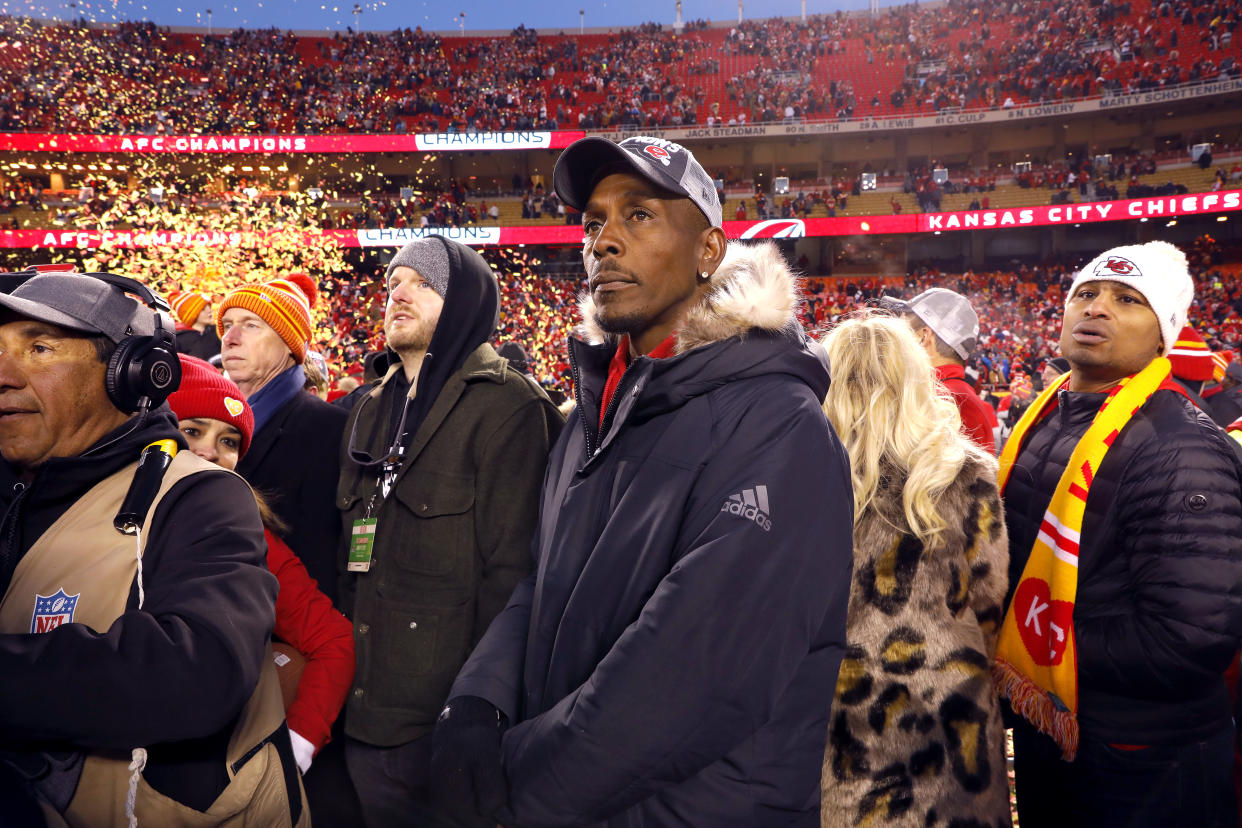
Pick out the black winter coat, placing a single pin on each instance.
(1159, 603)
(294, 462)
(673, 658)
(173, 676)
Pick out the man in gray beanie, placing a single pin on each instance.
(440, 475)
(429, 258)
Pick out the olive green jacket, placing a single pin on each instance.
(452, 538)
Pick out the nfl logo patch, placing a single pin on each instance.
(50, 611)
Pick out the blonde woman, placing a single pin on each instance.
(915, 735)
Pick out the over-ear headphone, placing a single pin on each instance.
(143, 370)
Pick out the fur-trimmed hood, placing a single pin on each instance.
(747, 327)
(752, 288)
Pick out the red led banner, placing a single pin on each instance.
(194, 144)
(563, 234)
(1090, 212)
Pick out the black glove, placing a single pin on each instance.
(467, 781)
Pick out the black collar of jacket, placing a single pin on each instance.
(61, 481)
(482, 365)
(672, 381)
(652, 387)
(268, 436)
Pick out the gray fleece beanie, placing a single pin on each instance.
(429, 257)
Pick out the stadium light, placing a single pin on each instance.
(581, 20)
(209, 22)
(357, 14)
(739, 11)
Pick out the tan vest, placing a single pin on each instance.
(81, 571)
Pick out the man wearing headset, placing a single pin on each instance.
(127, 658)
(440, 473)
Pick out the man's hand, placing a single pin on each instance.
(467, 781)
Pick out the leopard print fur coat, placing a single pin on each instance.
(915, 735)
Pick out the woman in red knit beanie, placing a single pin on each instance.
(218, 424)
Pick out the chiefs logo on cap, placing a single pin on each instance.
(234, 406)
(1117, 266)
(658, 153)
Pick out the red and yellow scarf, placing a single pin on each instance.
(1036, 661)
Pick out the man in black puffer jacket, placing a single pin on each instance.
(673, 658)
(1158, 610)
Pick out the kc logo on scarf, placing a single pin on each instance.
(1046, 623)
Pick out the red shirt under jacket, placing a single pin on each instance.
(307, 621)
(978, 418)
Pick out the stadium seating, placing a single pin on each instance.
(906, 60)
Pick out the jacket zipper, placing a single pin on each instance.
(617, 395)
(592, 438)
(586, 427)
(11, 553)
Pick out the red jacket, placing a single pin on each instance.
(306, 620)
(978, 418)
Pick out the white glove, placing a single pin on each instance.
(303, 751)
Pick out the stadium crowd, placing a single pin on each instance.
(967, 53)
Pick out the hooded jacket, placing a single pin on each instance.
(1159, 599)
(671, 661)
(171, 677)
(453, 535)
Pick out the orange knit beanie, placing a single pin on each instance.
(284, 304)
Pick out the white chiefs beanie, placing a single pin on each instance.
(1158, 270)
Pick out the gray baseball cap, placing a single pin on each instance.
(668, 165)
(79, 302)
(948, 314)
